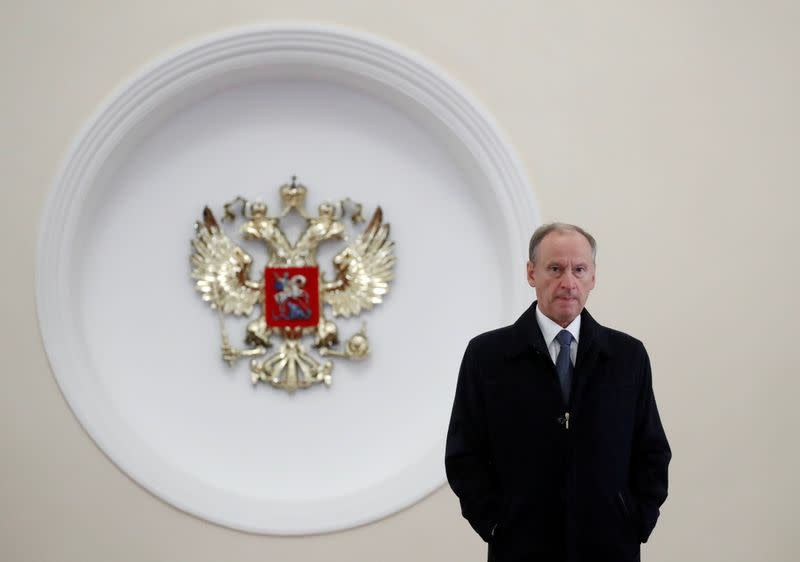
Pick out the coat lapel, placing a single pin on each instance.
(592, 351)
(526, 335)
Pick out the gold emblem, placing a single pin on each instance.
(292, 294)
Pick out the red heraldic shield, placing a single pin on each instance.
(292, 296)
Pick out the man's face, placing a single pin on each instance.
(563, 275)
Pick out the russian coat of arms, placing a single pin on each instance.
(293, 293)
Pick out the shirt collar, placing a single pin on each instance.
(550, 329)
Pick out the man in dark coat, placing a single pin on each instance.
(555, 447)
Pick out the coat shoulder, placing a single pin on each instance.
(624, 348)
(620, 341)
(492, 337)
(492, 343)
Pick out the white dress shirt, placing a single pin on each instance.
(550, 330)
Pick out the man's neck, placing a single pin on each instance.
(550, 327)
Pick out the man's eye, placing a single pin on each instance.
(554, 268)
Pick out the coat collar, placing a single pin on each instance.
(526, 335)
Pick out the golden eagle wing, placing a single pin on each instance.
(221, 270)
(363, 271)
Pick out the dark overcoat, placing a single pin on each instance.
(577, 482)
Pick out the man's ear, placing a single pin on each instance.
(531, 276)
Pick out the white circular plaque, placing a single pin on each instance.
(137, 353)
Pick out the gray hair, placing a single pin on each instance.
(546, 229)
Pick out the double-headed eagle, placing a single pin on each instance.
(292, 291)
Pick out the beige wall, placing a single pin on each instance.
(668, 129)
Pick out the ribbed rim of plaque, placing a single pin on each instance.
(378, 66)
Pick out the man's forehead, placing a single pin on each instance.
(565, 241)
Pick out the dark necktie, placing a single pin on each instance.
(563, 364)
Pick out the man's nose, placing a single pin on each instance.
(568, 280)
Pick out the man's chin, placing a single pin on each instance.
(566, 313)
